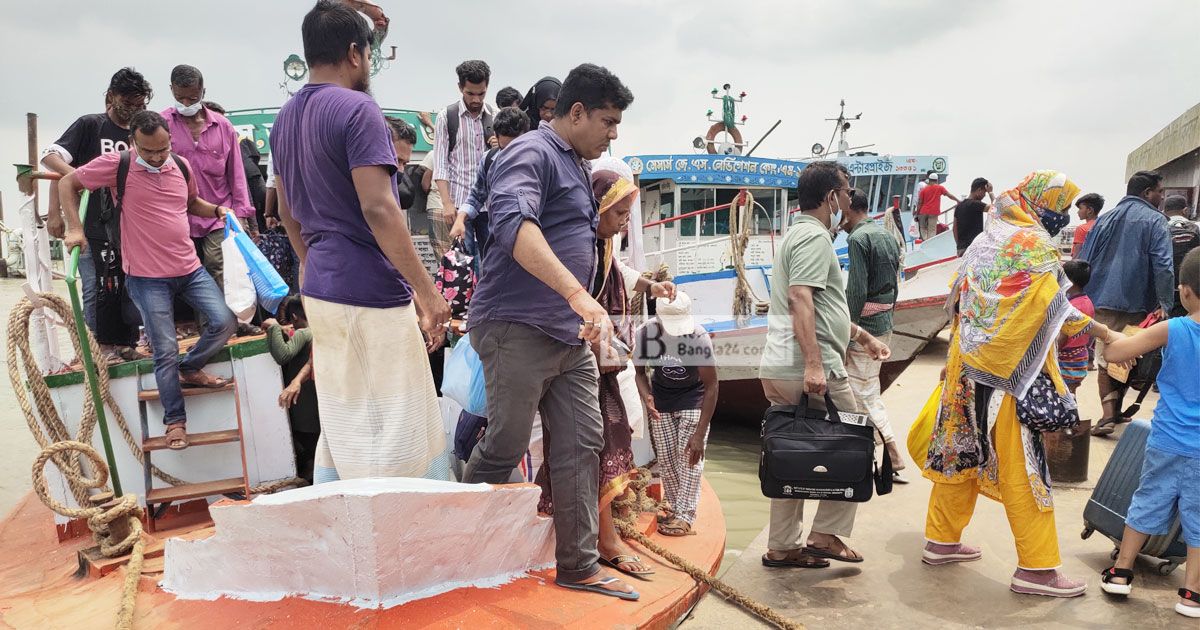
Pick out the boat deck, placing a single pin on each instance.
(40, 591)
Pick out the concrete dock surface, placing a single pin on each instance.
(892, 588)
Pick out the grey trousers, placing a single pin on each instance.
(787, 515)
(526, 371)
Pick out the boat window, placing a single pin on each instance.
(693, 199)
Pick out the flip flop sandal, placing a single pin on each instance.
(210, 381)
(616, 561)
(832, 555)
(803, 562)
(676, 528)
(1106, 426)
(598, 587)
(175, 435)
(1184, 609)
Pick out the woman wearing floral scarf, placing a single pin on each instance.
(1002, 386)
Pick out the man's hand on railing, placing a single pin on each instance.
(75, 238)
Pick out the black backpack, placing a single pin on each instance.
(1185, 236)
(452, 114)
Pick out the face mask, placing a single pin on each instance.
(835, 220)
(146, 165)
(1054, 222)
(188, 110)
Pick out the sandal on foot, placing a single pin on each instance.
(599, 587)
(801, 561)
(845, 555)
(176, 436)
(1106, 426)
(1186, 610)
(200, 378)
(676, 527)
(1116, 588)
(616, 561)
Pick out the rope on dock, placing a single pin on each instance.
(627, 525)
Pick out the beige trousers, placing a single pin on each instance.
(787, 515)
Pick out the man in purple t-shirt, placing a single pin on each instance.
(367, 295)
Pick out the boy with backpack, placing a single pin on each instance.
(1185, 236)
(1171, 469)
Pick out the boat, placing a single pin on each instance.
(687, 202)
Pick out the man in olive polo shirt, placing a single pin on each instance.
(808, 331)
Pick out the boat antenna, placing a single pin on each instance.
(841, 125)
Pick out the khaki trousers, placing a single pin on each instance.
(787, 515)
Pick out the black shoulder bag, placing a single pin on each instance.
(820, 454)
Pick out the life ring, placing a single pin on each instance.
(717, 128)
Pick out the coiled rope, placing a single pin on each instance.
(69, 453)
(626, 522)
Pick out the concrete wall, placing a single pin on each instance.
(1175, 140)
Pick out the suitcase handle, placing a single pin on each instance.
(830, 408)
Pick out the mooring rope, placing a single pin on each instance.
(626, 522)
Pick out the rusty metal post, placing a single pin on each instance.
(31, 137)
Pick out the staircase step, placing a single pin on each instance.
(159, 443)
(152, 394)
(195, 490)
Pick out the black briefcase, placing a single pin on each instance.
(820, 454)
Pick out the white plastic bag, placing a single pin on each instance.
(239, 288)
(634, 407)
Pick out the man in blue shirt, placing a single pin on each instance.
(1133, 273)
(532, 311)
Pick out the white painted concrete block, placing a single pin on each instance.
(369, 542)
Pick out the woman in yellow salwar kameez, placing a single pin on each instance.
(1008, 305)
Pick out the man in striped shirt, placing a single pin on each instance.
(871, 288)
(462, 135)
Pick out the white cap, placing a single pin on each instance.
(676, 315)
(933, 176)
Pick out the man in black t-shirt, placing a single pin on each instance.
(968, 214)
(89, 137)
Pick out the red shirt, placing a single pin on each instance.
(930, 200)
(1081, 233)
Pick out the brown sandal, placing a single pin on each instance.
(200, 378)
(176, 436)
(675, 527)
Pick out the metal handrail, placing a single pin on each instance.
(91, 375)
(689, 215)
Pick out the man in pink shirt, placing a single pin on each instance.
(210, 143)
(158, 256)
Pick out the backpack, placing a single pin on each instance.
(452, 114)
(111, 211)
(1185, 236)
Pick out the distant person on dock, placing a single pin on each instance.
(533, 316)
(680, 398)
(89, 137)
(1130, 253)
(210, 143)
(1089, 207)
(1074, 353)
(1185, 236)
(372, 306)
(871, 288)
(808, 332)
(929, 206)
(508, 97)
(159, 257)
(1168, 488)
(1002, 385)
(462, 133)
(969, 214)
(510, 124)
(540, 100)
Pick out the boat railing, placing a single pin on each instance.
(662, 223)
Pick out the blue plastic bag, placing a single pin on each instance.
(268, 284)
(462, 378)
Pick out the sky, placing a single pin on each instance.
(1001, 87)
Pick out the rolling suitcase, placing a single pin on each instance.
(1106, 509)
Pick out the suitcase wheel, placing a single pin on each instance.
(1086, 533)
(1165, 568)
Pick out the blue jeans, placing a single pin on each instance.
(154, 298)
(87, 279)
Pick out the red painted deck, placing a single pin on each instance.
(38, 590)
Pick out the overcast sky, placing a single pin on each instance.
(1001, 87)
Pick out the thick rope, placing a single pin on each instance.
(626, 522)
(745, 303)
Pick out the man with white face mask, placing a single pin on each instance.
(210, 144)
